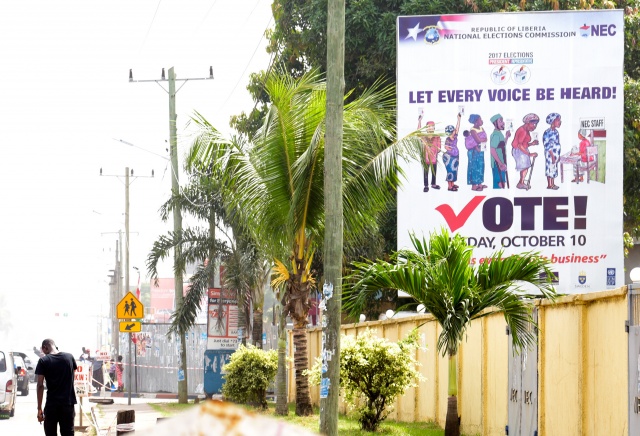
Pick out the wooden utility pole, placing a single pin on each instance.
(177, 230)
(177, 218)
(332, 289)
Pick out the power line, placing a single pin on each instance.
(149, 29)
(248, 63)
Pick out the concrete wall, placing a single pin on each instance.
(582, 368)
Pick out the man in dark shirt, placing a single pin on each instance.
(57, 369)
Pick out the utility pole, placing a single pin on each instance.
(177, 217)
(126, 258)
(115, 292)
(332, 289)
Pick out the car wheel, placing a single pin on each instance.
(13, 410)
(26, 391)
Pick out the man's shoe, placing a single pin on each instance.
(426, 189)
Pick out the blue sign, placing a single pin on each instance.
(324, 387)
(214, 360)
(180, 375)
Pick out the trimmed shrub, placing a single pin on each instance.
(373, 373)
(248, 374)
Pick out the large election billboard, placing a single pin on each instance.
(523, 114)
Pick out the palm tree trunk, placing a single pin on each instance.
(282, 408)
(257, 328)
(301, 362)
(452, 422)
(242, 321)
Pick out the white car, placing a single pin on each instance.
(8, 385)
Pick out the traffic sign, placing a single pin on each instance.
(130, 326)
(130, 307)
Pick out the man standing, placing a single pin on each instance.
(498, 153)
(57, 369)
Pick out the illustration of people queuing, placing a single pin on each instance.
(524, 138)
(451, 156)
(497, 143)
(432, 146)
(475, 142)
(551, 141)
(520, 151)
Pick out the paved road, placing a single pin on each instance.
(24, 421)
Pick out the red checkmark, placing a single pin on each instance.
(456, 221)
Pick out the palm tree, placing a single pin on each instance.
(247, 272)
(201, 199)
(275, 182)
(439, 274)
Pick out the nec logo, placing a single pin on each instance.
(598, 30)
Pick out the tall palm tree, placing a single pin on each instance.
(275, 182)
(439, 274)
(201, 199)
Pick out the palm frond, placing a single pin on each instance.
(185, 314)
(438, 273)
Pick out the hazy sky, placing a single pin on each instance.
(64, 67)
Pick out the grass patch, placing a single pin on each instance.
(347, 426)
(170, 409)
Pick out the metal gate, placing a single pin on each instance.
(523, 388)
(156, 359)
(633, 297)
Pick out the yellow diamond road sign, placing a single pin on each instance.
(130, 326)
(129, 307)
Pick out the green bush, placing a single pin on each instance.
(373, 373)
(248, 374)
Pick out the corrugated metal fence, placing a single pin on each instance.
(156, 357)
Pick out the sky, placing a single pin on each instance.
(66, 104)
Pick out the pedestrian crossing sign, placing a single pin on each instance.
(130, 308)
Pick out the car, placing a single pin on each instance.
(21, 374)
(8, 384)
(30, 362)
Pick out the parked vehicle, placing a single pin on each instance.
(8, 384)
(21, 374)
(30, 362)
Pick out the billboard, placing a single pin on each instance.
(524, 146)
(222, 320)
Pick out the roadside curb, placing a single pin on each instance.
(147, 395)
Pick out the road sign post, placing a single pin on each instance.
(130, 309)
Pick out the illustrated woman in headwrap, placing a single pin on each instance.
(451, 156)
(498, 143)
(521, 143)
(551, 141)
(432, 145)
(474, 142)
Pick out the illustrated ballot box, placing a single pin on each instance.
(499, 76)
(520, 76)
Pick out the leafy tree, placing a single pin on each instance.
(373, 373)
(439, 274)
(632, 121)
(275, 183)
(248, 374)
